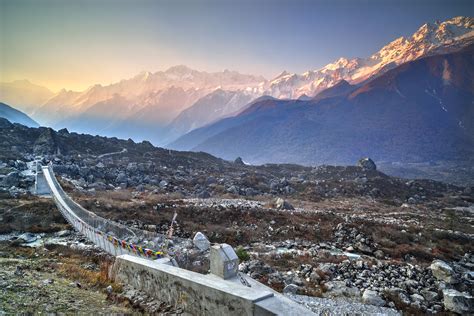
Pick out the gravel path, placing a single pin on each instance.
(337, 307)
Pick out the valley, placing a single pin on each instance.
(314, 233)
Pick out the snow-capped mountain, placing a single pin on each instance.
(156, 90)
(430, 39)
(416, 112)
(24, 95)
(181, 99)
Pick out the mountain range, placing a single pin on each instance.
(429, 39)
(24, 95)
(419, 111)
(186, 108)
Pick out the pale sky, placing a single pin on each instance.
(74, 44)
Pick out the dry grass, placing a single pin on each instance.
(93, 279)
(72, 265)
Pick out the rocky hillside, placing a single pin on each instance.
(100, 162)
(15, 116)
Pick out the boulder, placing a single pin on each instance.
(21, 165)
(11, 180)
(367, 164)
(429, 296)
(372, 298)
(233, 190)
(239, 161)
(417, 297)
(121, 178)
(379, 254)
(46, 143)
(315, 277)
(283, 205)
(291, 289)
(337, 289)
(327, 269)
(28, 237)
(458, 302)
(443, 271)
(63, 233)
(201, 242)
(363, 248)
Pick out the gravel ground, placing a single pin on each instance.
(25, 287)
(337, 307)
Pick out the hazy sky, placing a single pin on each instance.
(73, 44)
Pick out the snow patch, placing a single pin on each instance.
(433, 94)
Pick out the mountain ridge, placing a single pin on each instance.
(417, 111)
(15, 116)
(159, 112)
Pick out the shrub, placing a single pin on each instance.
(242, 254)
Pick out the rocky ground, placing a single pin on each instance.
(315, 233)
(62, 273)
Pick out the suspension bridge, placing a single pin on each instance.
(143, 262)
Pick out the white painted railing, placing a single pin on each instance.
(110, 236)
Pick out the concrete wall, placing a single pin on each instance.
(199, 294)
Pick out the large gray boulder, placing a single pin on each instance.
(458, 302)
(121, 178)
(283, 205)
(291, 288)
(367, 164)
(372, 298)
(443, 271)
(201, 242)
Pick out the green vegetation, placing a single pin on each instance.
(242, 254)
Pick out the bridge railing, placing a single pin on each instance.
(112, 237)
